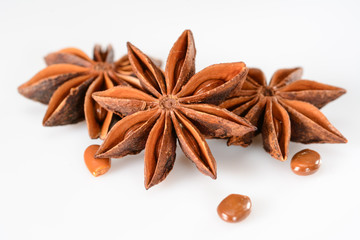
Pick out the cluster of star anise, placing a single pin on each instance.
(133, 105)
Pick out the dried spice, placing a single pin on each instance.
(305, 162)
(234, 208)
(68, 82)
(173, 105)
(286, 109)
(97, 166)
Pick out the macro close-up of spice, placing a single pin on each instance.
(257, 132)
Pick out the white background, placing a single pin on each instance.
(46, 192)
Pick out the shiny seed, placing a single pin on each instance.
(132, 129)
(178, 68)
(100, 113)
(305, 162)
(191, 141)
(208, 85)
(234, 208)
(97, 166)
(278, 128)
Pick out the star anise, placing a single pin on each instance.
(68, 82)
(286, 109)
(172, 105)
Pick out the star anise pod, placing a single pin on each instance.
(173, 105)
(70, 79)
(286, 109)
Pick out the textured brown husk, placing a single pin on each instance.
(172, 105)
(70, 79)
(286, 109)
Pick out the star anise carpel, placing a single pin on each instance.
(70, 79)
(174, 104)
(285, 109)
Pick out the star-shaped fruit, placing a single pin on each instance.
(70, 79)
(286, 109)
(173, 105)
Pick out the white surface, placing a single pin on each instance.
(46, 190)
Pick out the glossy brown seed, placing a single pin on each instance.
(305, 162)
(100, 113)
(132, 129)
(208, 85)
(234, 208)
(97, 166)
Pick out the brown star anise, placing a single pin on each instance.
(284, 110)
(172, 105)
(68, 82)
